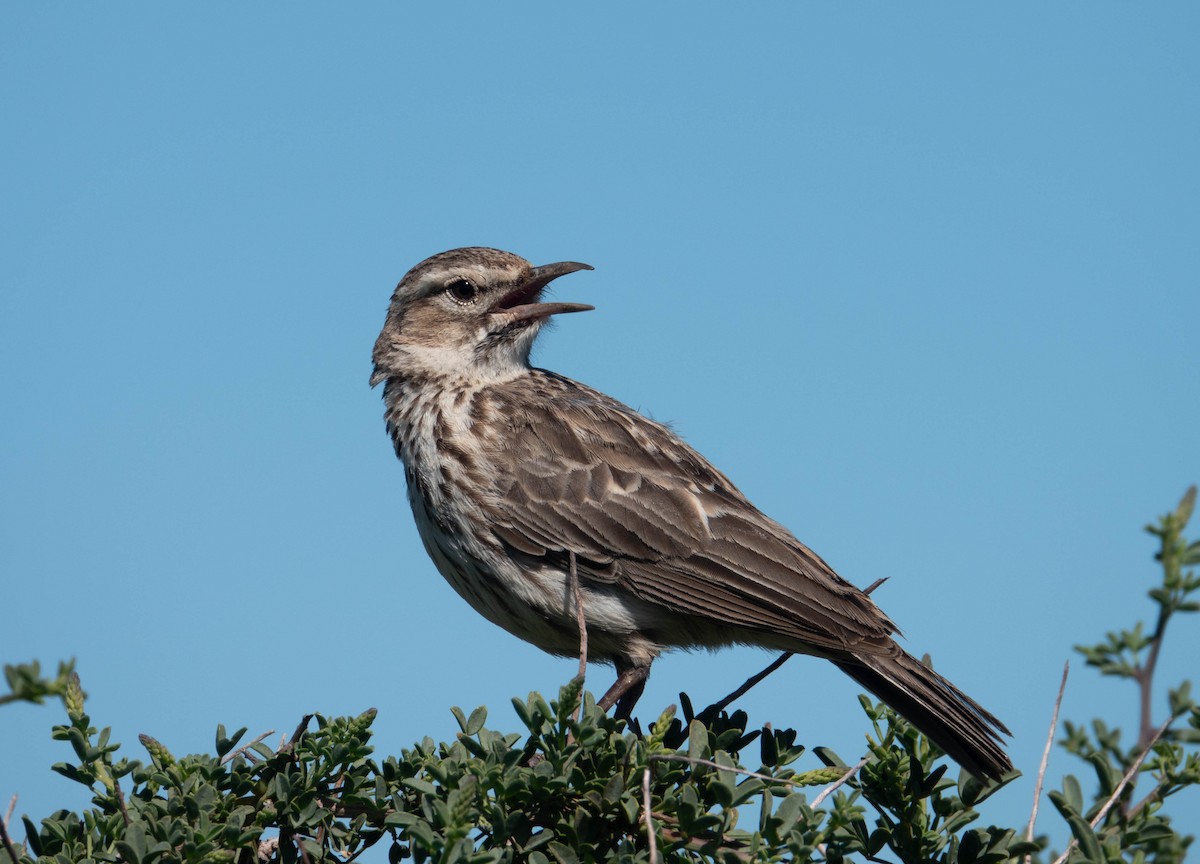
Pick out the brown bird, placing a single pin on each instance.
(515, 474)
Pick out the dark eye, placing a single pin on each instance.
(462, 291)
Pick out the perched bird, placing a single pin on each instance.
(516, 475)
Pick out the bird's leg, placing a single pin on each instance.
(632, 695)
(625, 691)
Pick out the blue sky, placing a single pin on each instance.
(921, 280)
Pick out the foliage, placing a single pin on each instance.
(577, 785)
(1173, 762)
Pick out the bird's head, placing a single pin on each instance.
(470, 312)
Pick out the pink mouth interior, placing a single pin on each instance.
(518, 297)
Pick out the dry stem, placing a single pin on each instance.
(233, 754)
(1041, 777)
(583, 639)
(651, 840)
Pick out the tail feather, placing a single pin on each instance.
(954, 721)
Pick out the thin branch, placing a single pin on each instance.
(772, 666)
(12, 805)
(1041, 776)
(582, 621)
(752, 680)
(1133, 769)
(300, 848)
(1112, 799)
(651, 840)
(1171, 537)
(243, 751)
(8, 844)
(1137, 808)
(300, 727)
(1145, 675)
(691, 760)
(833, 787)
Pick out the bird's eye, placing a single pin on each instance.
(462, 291)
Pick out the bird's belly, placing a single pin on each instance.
(532, 602)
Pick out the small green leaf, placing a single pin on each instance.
(1089, 844)
(418, 785)
(476, 720)
(788, 814)
(31, 835)
(1022, 847)
(614, 788)
(768, 751)
(563, 854)
(697, 740)
(523, 713)
(1072, 793)
(134, 847)
(685, 704)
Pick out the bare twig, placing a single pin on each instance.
(773, 665)
(651, 840)
(692, 760)
(244, 751)
(1041, 777)
(8, 844)
(1112, 799)
(582, 621)
(752, 680)
(300, 727)
(579, 617)
(833, 787)
(1133, 769)
(1137, 808)
(1171, 534)
(1145, 675)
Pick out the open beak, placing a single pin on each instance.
(521, 303)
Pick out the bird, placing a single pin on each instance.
(525, 483)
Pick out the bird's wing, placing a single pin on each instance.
(585, 474)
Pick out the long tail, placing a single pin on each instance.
(955, 721)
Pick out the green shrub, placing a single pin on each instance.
(577, 785)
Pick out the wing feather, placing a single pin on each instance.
(590, 476)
